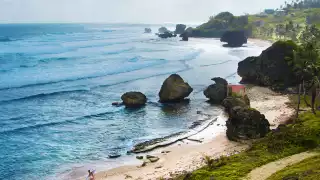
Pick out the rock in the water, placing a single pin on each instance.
(234, 38)
(217, 92)
(180, 28)
(219, 80)
(163, 30)
(166, 34)
(114, 156)
(274, 67)
(174, 89)
(147, 30)
(116, 103)
(246, 123)
(134, 99)
(184, 36)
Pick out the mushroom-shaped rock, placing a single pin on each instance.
(147, 30)
(163, 30)
(234, 38)
(134, 99)
(217, 92)
(246, 123)
(174, 89)
(180, 28)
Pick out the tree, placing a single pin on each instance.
(307, 62)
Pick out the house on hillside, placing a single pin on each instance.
(262, 15)
(269, 11)
(280, 13)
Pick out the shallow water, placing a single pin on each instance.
(57, 83)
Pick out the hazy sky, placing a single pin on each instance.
(134, 11)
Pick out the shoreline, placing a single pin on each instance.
(186, 156)
(186, 153)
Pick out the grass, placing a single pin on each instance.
(309, 169)
(288, 140)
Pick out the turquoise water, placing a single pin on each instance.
(57, 83)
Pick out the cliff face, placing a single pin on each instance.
(274, 67)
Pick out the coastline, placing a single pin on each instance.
(186, 156)
(186, 151)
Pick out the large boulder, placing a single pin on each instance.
(162, 30)
(217, 92)
(274, 67)
(180, 28)
(174, 89)
(234, 38)
(147, 30)
(231, 102)
(246, 123)
(134, 99)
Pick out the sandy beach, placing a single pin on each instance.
(188, 155)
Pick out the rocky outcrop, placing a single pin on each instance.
(162, 30)
(180, 28)
(234, 38)
(147, 30)
(274, 67)
(166, 35)
(134, 99)
(189, 31)
(246, 123)
(217, 92)
(230, 102)
(174, 89)
(184, 36)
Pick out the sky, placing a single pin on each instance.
(125, 11)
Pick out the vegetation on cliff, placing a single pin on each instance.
(219, 24)
(286, 140)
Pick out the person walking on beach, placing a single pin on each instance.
(91, 175)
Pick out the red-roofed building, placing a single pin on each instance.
(239, 89)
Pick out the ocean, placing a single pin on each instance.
(57, 83)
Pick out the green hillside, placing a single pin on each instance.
(285, 26)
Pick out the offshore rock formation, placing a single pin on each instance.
(180, 28)
(217, 92)
(166, 34)
(184, 36)
(162, 30)
(174, 89)
(234, 38)
(147, 30)
(134, 99)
